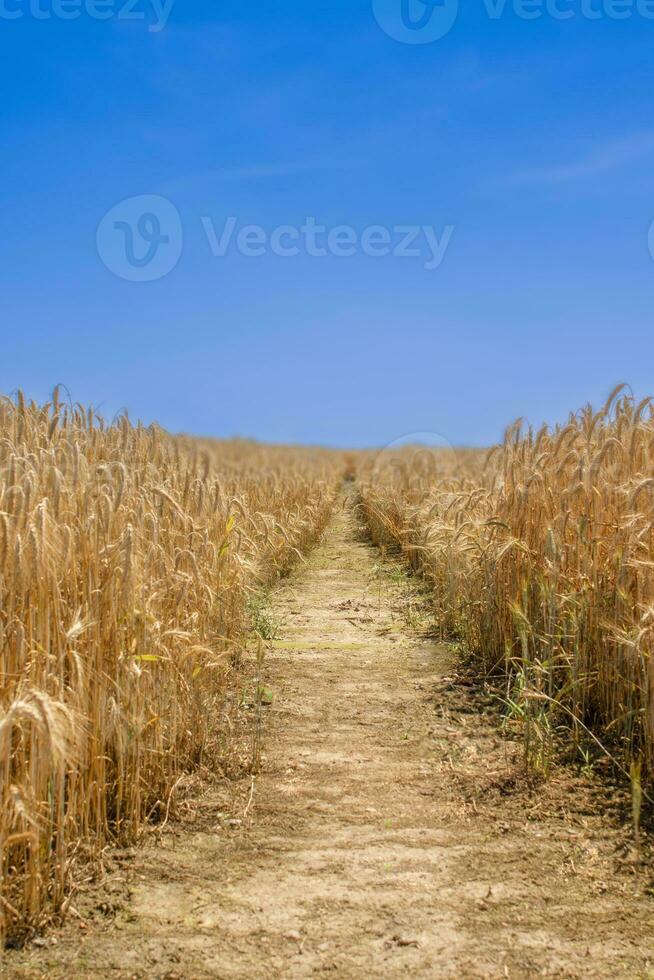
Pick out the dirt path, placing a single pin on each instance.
(389, 834)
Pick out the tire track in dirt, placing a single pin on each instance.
(376, 842)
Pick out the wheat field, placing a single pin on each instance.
(539, 554)
(126, 560)
(129, 559)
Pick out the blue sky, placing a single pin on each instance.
(532, 139)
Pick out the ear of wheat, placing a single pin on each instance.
(126, 560)
(540, 554)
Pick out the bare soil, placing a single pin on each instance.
(391, 831)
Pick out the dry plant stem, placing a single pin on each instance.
(541, 557)
(394, 834)
(126, 560)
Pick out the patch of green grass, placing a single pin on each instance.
(318, 645)
(263, 622)
(257, 694)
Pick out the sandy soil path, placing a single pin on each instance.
(390, 833)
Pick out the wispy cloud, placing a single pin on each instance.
(599, 159)
(251, 171)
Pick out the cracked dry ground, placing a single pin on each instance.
(390, 833)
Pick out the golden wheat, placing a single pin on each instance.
(126, 559)
(540, 554)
